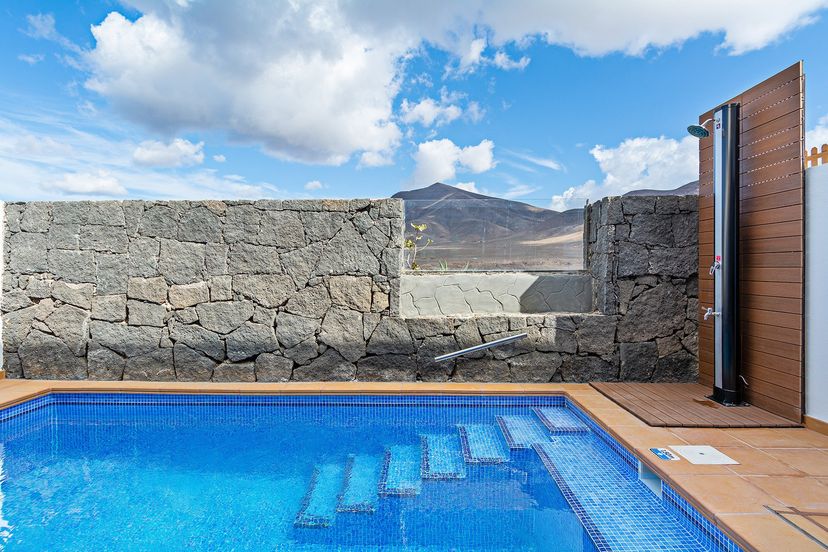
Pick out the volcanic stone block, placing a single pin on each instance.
(190, 365)
(353, 292)
(143, 257)
(249, 340)
(200, 225)
(535, 367)
(153, 290)
(188, 295)
(45, 356)
(638, 361)
(596, 334)
(391, 336)
(292, 329)
(245, 258)
(159, 221)
(130, 341)
(106, 239)
(330, 366)
(268, 290)
(154, 366)
(35, 217)
(112, 273)
(104, 364)
(342, 330)
(198, 338)
(387, 368)
(282, 229)
(224, 317)
(71, 325)
(27, 253)
(235, 371)
(79, 295)
(109, 307)
(146, 314)
(181, 262)
(273, 367)
(311, 302)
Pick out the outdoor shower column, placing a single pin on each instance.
(725, 265)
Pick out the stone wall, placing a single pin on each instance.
(309, 290)
(458, 293)
(643, 255)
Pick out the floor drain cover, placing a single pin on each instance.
(703, 454)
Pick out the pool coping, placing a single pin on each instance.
(743, 516)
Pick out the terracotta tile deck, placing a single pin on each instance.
(781, 469)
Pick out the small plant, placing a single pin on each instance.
(414, 244)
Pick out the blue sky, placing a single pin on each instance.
(551, 103)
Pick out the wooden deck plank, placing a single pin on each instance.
(685, 405)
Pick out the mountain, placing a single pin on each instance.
(482, 232)
(691, 188)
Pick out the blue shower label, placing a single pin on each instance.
(664, 454)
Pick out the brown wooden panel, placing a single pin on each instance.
(770, 101)
(784, 184)
(783, 107)
(788, 259)
(784, 128)
(771, 318)
(788, 74)
(772, 201)
(772, 157)
(771, 242)
(769, 216)
(771, 172)
(773, 289)
(775, 231)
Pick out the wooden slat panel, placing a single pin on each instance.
(772, 157)
(784, 128)
(771, 243)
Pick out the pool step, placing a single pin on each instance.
(442, 457)
(361, 486)
(319, 505)
(609, 498)
(559, 419)
(521, 432)
(401, 471)
(482, 444)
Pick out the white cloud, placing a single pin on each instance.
(42, 26)
(48, 156)
(428, 112)
(468, 186)
(314, 185)
(31, 59)
(503, 61)
(178, 153)
(99, 183)
(637, 163)
(317, 81)
(440, 160)
(296, 77)
(545, 162)
(219, 158)
(519, 190)
(818, 135)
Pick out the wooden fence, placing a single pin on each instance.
(772, 230)
(816, 156)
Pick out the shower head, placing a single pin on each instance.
(699, 131)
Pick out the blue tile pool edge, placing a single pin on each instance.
(694, 521)
(699, 526)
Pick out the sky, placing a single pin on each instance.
(553, 103)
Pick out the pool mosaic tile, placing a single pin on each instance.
(401, 471)
(559, 419)
(442, 457)
(521, 432)
(361, 487)
(319, 506)
(482, 444)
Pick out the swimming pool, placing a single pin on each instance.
(103, 471)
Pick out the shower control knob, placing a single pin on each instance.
(715, 266)
(710, 312)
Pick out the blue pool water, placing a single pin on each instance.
(150, 472)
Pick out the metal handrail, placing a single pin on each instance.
(482, 346)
